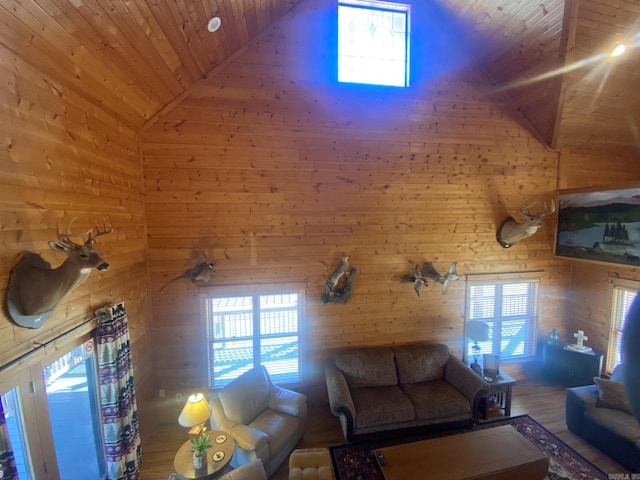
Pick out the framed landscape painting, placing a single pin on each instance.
(600, 224)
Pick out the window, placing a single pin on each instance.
(623, 296)
(255, 329)
(510, 309)
(373, 43)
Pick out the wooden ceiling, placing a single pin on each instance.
(135, 57)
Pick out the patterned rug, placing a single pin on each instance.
(355, 462)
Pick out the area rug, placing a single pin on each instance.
(355, 462)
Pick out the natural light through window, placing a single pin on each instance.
(255, 329)
(373, 43)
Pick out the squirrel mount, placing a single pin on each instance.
(420, 276)
(338, 284)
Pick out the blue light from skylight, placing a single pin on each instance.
(373, 43)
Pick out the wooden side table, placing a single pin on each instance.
(501, 388)
(218, 456)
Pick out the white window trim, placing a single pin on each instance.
(504, 278)
(254, 290)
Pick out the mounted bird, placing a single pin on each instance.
(420, 276)
(200, 273)
(417, 278)
(447, 278)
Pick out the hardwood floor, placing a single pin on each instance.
(543, 403)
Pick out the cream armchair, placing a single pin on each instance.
(266, 421)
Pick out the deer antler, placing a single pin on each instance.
(107, 229)
(64, 237)
(551, 210)
(525, 210)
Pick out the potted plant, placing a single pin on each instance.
(199, 447)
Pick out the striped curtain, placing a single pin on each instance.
(7, 461)
(117, 395)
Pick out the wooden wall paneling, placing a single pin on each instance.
(520, 69)
(64, 156)
(595, 100)
(275, 174)
(50, 53)
(613, 167)
(589, 308)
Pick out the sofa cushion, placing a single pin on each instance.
(615, 433)
(437, 399)
(377, 406)
(246, 396)
(310, 464)
(367, 367)
(421, 363)
(278, 426)
(612, 395)
(287, 401)
(615, 421)
(248, 471)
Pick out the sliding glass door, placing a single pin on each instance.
(53, 416)
(72, 399)
(14, 419)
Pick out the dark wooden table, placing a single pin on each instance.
(502, 388)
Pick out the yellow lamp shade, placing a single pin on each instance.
(195, 412)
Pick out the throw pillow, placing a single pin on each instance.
(612, 395)
(245, 397)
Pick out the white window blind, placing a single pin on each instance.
(622, 299)
(510, 309)
(249, 330)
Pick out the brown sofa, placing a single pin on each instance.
(391, 388)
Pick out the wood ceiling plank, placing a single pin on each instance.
(130, 20)
(191, 29)
(171, 29)
(63, 65)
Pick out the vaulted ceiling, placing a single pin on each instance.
(549, 58)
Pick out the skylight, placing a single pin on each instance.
(373, 43)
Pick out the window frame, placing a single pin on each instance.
(532, 316)
(383, 6)
(256, 291)
(617, 320)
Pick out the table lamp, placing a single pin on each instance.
(194, 414)
(478, 332)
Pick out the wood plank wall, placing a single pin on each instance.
(63, 156)
(589, 308)
(275, 170)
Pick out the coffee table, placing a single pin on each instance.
(499, 453)
(218, 456)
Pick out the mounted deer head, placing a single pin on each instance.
(35, 288)
(511, 232)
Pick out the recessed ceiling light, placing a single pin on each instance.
(214, 24)
(619, 50)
